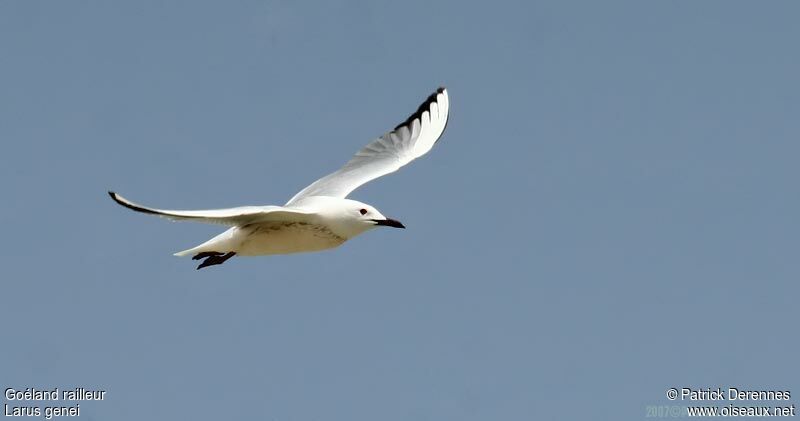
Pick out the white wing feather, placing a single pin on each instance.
(386, 154)
(232, 216)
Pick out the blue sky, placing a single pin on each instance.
(611, 212)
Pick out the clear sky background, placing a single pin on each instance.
(612, 211)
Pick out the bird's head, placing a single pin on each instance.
(349, 218)
(371, 217)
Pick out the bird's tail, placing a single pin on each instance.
(222, 243)
(188, 252)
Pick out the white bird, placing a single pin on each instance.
(319, 217)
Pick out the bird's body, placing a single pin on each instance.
(315, 224)
(271, 238)
(283, 238)
(319, 217)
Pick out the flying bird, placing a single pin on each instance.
(320, 216)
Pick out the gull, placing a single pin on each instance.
(320, 216)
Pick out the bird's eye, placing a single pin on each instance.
(363, 211)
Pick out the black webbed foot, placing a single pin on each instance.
(205, 254)
(212, 258)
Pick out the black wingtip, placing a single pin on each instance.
(131, 206)
(425, 106)
(115, 197)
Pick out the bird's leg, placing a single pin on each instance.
(214, 258)
(205, 254)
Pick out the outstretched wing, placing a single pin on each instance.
(386, 154)
(232, 216)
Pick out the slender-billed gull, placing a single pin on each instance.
(319, 217)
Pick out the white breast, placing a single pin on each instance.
(285, 238)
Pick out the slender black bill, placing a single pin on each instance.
(389, 222)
